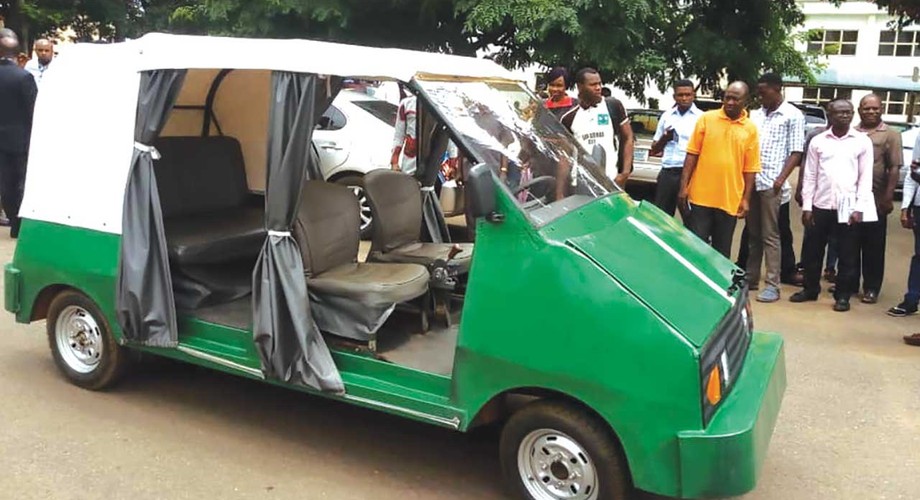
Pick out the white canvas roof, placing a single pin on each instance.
(160, 51)
(83, 132)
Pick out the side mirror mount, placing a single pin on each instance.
(599, 154)
(481, 187)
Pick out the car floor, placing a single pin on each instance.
(399, 341)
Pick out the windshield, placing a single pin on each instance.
(505, 126)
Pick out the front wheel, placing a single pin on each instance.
(551, 450)
(81, 342)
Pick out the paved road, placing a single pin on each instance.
(849, 428)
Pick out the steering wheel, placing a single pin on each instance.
(543, 179)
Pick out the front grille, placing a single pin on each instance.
(732, 337)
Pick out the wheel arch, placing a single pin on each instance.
(341, 174)
(502, 405)
(45, 296)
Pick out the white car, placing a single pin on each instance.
(909, 133)
(354, 137)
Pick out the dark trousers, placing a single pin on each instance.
(12, 184)
(715, 227)
(787, 251)
(667, 190)
(912, 297)
(871, 238)
(830, 263)
(825, 223)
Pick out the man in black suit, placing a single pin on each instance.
(17, 100)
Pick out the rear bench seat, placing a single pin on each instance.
(208, 212)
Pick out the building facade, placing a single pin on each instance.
(858, 38)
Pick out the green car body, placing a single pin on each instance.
(612, 306)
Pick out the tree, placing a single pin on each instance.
(907, 11)
(105, 20)
(632, 42)
(635, 41)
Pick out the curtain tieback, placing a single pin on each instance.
(427, 189)
(143, 148)
(283, 234)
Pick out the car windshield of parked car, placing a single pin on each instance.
(505, 126)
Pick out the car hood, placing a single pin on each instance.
(660, 262)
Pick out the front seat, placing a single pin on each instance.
(396, 203)
(348, 298)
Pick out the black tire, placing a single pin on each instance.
(356, 181)
(111, 359)
(590, 433)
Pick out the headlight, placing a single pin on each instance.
(723, 356)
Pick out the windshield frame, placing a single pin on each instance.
(538, 215)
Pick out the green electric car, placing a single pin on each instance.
(185, 218)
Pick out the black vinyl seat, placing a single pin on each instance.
(209, 215)
(396, 202)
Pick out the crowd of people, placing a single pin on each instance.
(733, 163)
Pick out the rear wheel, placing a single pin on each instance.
(355, 182)
(552, 450)
(81, 341)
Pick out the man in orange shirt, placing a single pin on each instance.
(723, 157)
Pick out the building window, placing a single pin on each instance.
(894, 102)
(900, 44)
(823, 95)
(833, 42)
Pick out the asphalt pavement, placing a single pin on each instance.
(849, 426)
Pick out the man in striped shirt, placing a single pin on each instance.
(781, 128)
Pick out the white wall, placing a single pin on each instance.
(869, 21)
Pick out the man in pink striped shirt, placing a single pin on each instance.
(836, 194)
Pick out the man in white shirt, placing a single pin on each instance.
(44, 53)
(601, 121)
(910, 219)
(836, 195)
(781, 128)
(671, 137)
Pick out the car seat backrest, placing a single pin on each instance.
(327, 227)
(200, 174)
(396, 202)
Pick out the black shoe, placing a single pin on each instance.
(903, 309)
(802, 297)
(842, 305)
(870, 297)
(832, 290)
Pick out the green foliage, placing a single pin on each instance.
(635, 41)
(907, 11)
(632, 42)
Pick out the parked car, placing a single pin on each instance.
(599, 372)
(644, 122)
(815, 116)
(353, 138)
(909, 133)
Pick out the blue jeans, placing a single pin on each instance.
(912, 297)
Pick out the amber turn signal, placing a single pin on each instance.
(714, 386)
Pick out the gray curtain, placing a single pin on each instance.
(144, 304)
(284, 330)
(433, 139)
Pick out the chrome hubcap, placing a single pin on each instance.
(79, 339)
(554, 466)
(365, 206)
